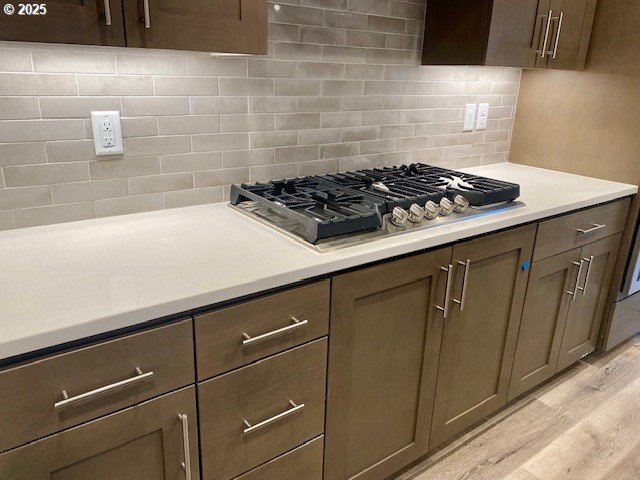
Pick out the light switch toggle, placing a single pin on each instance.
(107, 133)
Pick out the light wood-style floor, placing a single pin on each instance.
(584, 425)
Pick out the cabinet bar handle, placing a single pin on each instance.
(186, 465)
(589, 260)
(140, 377)
(555, 47)
(594, 228)
(252, 428)
(447, 293)
(147, 15)
(543, 52)
(574, 294)
(465, 281)
(107, 12)
(247, 340)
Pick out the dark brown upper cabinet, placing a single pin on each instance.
(508, 33)
(87, 22)
(569, 34)
(229, 26)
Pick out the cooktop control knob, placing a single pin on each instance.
(461, 204)
(416, 213)
(446, 207)
(399, 217)
(432, 210)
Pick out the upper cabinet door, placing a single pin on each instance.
(455, 32)
(572, 22)
(508, 33)
(88, 22)
(231, 26)
(479, 338)
(383, 355)
(517, 32)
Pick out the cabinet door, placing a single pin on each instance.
(545, 312)
(384, 340)
(479, 339)
(233, 26)
(67, 21)
(456, 32)
(517, 28)
(586, 312)
(142, 442)
(570, 33)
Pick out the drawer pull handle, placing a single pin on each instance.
(549, 19)
(555, 48)
(447, 292)
(248, 340)
(147, 14)
(186, 465)
(588, 260)
(139, 377)
(252, 428)
(576, 288)
(594, 227)
(107, 12)
(465, 282)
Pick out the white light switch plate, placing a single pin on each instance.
(483, 116)
(469, 117)
(107, 133)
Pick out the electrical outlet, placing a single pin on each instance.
(483, 116)
(469, 117)
(107, 133)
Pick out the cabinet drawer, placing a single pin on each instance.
(252, 415)
(238, 335)
(30, 394)
(303, 463)
(577, 229)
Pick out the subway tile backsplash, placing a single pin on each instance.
(341, 88)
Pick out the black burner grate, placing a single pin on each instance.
(325, 209)
(418, 183)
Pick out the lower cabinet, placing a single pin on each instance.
(251, 415)
(385, 334)
(155, 440)
(551, 283)
(564, 306)
(585, 314)
(480, 336)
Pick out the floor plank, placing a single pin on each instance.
(593, 386)
(590, 449)
(521, 474)
(502, 449)
(628, 468)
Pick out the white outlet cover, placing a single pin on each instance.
(483, 116)
(107, 133)
(469, 117)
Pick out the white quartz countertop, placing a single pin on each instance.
(65, 282)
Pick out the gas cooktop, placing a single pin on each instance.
(341, 209)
